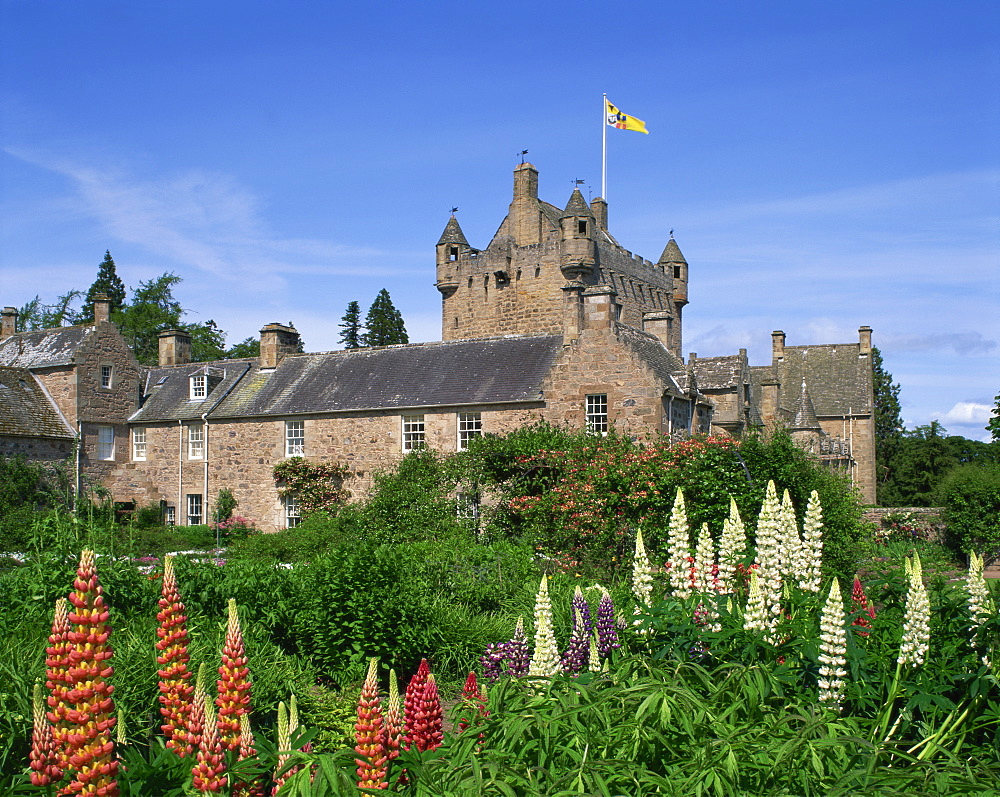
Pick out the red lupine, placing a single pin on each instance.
(57, 681)
(176, 692)
(233, 686)
(43, 758)
(865, 611)
(89, 748)
(208, 772)
(425, 728)
(368, 733)
(473, 704)
(414, 694)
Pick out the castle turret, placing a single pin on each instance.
(452, 249)
(675, 268)
(577, 226)
(805, 427)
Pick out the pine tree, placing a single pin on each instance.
(993, 426)
(384, 323)
(109, 284)
(888, 423)
(351, 335)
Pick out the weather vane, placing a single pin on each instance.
(521, 154)
(578, 182)
(454, 210)
(671, 233)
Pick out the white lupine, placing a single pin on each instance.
(832, 649)
(812, 545)
(642, 573)
(791, 543)
(545, 658)
(979, 601)
(679, 549)
(704, 561)
(732, 546)
(594, 654)
(916, 619)
(755, 616)
(769, 541)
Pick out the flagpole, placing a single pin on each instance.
(604, 148)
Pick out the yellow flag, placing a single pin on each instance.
(623, 121)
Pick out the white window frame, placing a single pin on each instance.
(107, 377)
(106, 443)
(295, 438)
(195, 509)
(139, 443)
(470, 425)
(597, 413)
(169, 516)
(414, 432)
(199, 387)
(293, 512)
(196, 441)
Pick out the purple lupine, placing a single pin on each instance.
(577, 655)
(507, 658)
(579, 604)
(606, 632)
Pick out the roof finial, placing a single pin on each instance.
(671, 234)
(521, 155)
(454, 211)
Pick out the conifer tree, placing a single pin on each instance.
(384, 323)
(888, 423)
(993, 425)
(109, 284)
(351, 334)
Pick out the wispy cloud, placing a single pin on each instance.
(961, 343)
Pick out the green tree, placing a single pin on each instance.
(923, 458)
(245, 348)
(384, 323)
(208, 342)
(993, 426)
(35, 315)
(109, 284)
(888, 424)
(351, 327)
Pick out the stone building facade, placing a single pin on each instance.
(552, 320)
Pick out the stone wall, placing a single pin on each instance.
(61, 383)
(36, 449)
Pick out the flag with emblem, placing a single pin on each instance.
(623, 121)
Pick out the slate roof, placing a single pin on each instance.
(649, 348)
(26, 409)
(718, 373)
(577, 205)
(672, 253)
(452, 233)
(45, 348)
(805, 414)
(837, 377)
(451, 373)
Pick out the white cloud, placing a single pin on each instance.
(967, 412)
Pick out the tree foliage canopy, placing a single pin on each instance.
(351, 327)
(888, 423)
(384, 323)
(107, 283)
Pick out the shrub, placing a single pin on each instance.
(971, 497)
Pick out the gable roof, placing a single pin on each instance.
(26, 409)
(668, 368)
(44, 348)
(717, 373)
(451, 373)
(837, 376)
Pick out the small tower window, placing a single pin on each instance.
(677, 272)
(453, 253)
(581, 227)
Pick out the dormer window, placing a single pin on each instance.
(199, 387)
(581, 227)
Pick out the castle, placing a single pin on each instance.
(554, 319)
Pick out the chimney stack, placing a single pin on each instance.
(9, 324)
(277, 340)
(175, 347)
(600, 310)
(777, 346)
(865, 338)
(659, 323)
(600, 210)
(102, 309)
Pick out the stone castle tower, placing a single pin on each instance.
(545, 264)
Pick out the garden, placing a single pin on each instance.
(549, 613)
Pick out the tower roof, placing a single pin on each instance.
(805, 414)
(672, 253)
(452, 233)
(577, 205)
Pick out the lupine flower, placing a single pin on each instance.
(424, 726)
(577, 655)
(43, 758)
(580, 603)
(980, 603)
(507, 658)
(832, 649)
(256, 787)
(790, 550)
(642, 573)
(57, 681)
(207, 772)
(176, 692)
(679, 549)
(769, 541)
(865, 612)
(594, 654)
(473, 704)
(414, 694)
(916, 619)
(287, 725)
(394, 727)
(607, 634)
(89, 747)
(233, 686)
(704, 561)
(545, 659)
(368, 735)
(732, 546)
(811, 552)
(755, 617)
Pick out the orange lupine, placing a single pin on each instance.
(56, 680)
(372, 757)
(233, 686)
(43, 759)
(176, 692)
(208, 772)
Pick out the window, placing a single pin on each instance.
(453, 253)
(199, 386)
(196, 442)
(293, 512)
(139, 443)
(295, 438)
(170, 516)
(106, 371)
(470, 425)
(597, 413)
(581, 227)
(467, 506)
(413, 432)
(194, 515)
(677, 272)
(106, 442)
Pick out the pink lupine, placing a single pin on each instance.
(208, 773)
(176, 691)
(412, 698)
(43, 758)
(395, 726)
(473, 703)
(864, 610)
(368, 734)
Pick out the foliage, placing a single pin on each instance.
(384, 323)
(993, 425)
(351, 327)
(107, 283)
(35, 315)
(250, 347)
(888, 422)
(225, 504)
(318, 486)
(25, 489)
(971, 496)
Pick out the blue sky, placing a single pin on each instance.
(824, 165)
